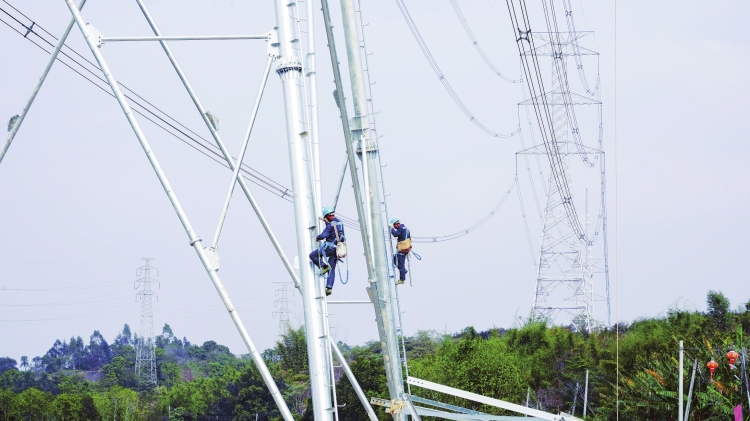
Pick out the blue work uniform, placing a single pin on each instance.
(401, 234)
(328, 248)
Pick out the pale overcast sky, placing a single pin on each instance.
(80, 205)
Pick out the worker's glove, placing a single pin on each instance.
(391, 225)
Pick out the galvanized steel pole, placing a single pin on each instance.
(382, 295)
(289, 70)
(350, 153)
(17, 120)
(192, 236)
(310, 73)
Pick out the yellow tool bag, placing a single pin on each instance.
(340, 245)
(404, 246)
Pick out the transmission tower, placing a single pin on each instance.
(281, 304)
(566, 268)
(145, 361)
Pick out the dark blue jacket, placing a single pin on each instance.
(329, 234)
(402, 232)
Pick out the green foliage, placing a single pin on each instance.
(95, 382)
(718, 308)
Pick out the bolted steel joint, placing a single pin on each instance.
(289, 70)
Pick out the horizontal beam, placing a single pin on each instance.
(183, 38)
(350, 302)
(487, 401)
(441, 405)
(427, 412)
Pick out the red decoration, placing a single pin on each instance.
(732, 356)
(712, 366)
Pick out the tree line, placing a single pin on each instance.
(535, 363)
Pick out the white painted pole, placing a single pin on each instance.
(241, 156)
(355, 384)
(19, 119)
(289, 70)
(230, 162)
(192, 236)
(382, 294)
(586, 394)
(680, 413)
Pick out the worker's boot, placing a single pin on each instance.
(329, 291)
(325, 269)
(400, 282)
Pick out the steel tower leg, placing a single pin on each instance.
(17, 120)
(289, 70)
(380, 290)
(192, 236)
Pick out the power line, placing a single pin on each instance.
(476, 45)
(129, 306)
(211, 151)
(207, 148)
(535, 83)
(435, 68)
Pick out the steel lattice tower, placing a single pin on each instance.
(145, 361)
(282, 306)
(566, 269)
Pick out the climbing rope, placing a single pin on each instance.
(341, 278)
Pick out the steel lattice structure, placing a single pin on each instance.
(145, 359)
(566, 268)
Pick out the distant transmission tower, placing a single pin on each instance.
(566, 269)
(281, 304)
(145, 361)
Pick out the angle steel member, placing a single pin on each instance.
(15, 121)
(489, 401)
(289, 69)
(194, 239)
(215, 134)
(380, 290)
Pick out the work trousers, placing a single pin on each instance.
(401, 264)
(328, 255)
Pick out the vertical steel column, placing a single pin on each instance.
(350, 152)
(382, 296)
(289, 70)
(19, 118)
(680, 413)
(310, 73)
(193, 237)
(220, 144)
